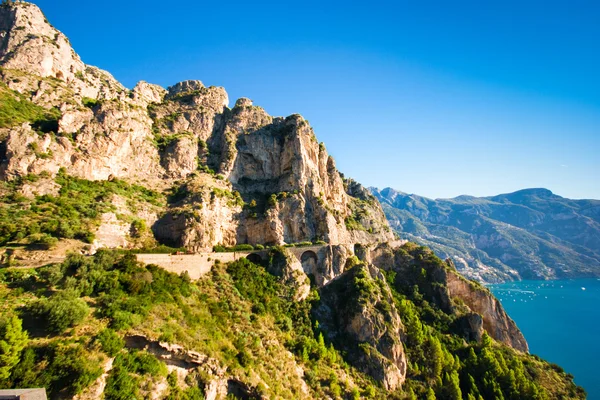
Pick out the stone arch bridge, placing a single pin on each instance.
(302, 253)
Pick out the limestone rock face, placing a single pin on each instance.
(274, 163)
(358, 314)
(495, 320)
(285, 265)
(146, 93)
(30, 44)
(287, 188)
(113, 142)
(440, 283)
(206, 215)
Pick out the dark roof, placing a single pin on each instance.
(23, 394)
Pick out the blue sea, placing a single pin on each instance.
(561, 322)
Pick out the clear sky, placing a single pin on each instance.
(438, 98)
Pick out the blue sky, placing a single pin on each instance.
(436, 98)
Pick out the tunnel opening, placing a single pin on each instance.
(309, 261)
(254, 258)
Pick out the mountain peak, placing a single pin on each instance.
(29, 43)
(540, 192)
(526, 194)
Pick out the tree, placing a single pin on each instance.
(451, 387)
(435, 357)
(13, 340)
(430, 394)
(61, 311)
(486, 340)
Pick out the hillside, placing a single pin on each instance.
(318, 301)
(529, 234)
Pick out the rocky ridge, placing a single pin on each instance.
(242, 176)
(529, 234)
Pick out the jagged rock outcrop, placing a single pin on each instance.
(202, 214)
(440, 283)
(495, 320)
(113, 142)
(284, 264)
(357, 313)
(219, 384)
(30, 44)
(290, 188)
(145, 93)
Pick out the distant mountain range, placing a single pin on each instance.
(528, 234)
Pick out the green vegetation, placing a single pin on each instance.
(441, 361)
(61, 311)
(237, 247)
(246, 320)
(233, 198)
(15, 109)
(360, 212)
(110, 342)
(129, 371)
(162, 142)
(230, 316)
(352, 224)
(90, 103)
(160, 249)
(12, 342)
(206, 169)
(114, 286)
(63, 367)
(73, 213)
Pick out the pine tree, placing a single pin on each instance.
(451, 387)
(430, 394)
(321, 348)
(13, 340)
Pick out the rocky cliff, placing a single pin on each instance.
(240, 175)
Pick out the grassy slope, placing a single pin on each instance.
(242, 317)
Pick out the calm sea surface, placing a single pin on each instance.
(561, 322)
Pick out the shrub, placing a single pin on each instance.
(243, 247)
(238, 247)
(110, 342)
(138, 227)
(43, 240)
(89, 102)
(53, 274)
(61, 311)
(61, 368)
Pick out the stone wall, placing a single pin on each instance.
(196, 265)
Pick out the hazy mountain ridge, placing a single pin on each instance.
(528, 234)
